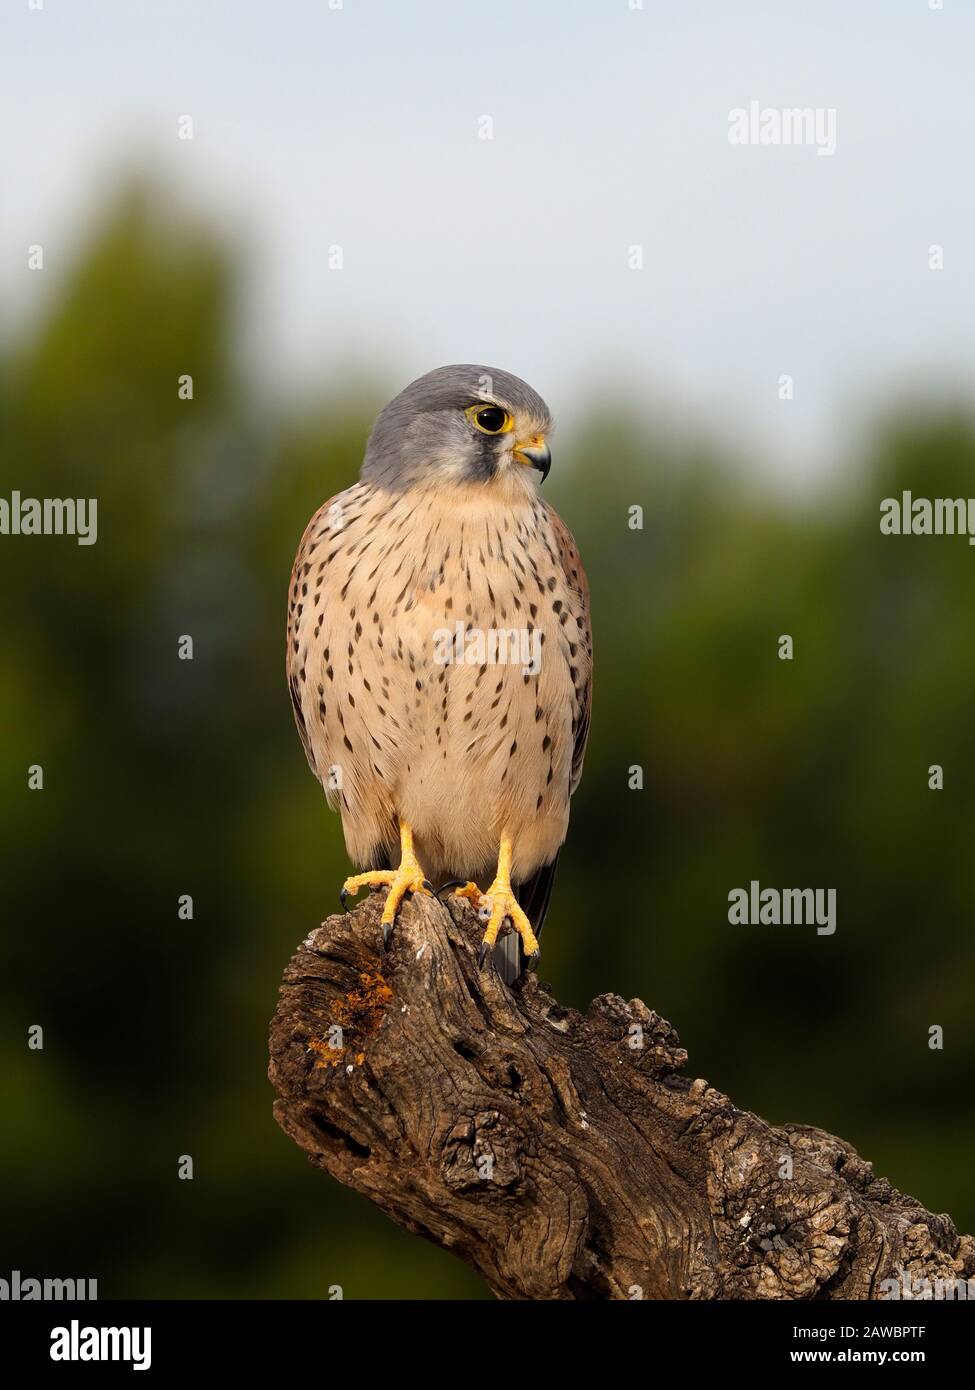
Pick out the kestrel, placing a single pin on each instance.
(440, 655)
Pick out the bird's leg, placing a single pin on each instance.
(408, 878)
(498, 903)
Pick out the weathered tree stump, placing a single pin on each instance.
(565, 1155)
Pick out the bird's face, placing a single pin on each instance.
(459, 426)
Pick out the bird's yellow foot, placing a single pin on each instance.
(408, 878)
(498, 905)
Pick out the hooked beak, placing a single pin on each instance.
(535, 455)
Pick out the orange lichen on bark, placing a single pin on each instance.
(357, 1015)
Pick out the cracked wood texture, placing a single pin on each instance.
(566, 1155)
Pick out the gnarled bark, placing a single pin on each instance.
(565, 1155)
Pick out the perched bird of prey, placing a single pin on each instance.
(440, 655)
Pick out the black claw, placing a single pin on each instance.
(454, 883)
(387, 933)
(429, 886)
(342, 897)
(532, 962)
(484, 954)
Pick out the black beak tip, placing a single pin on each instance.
(539, 456)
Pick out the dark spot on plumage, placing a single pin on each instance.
(546, 743)
(348, 745)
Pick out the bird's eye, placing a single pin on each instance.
(491, 419)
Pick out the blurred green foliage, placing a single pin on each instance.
(165, 777)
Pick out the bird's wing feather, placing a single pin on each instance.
(575, 575)
(292, 650)
(535, 893)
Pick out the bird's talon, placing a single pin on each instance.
(499, 905)
(408, 878)
(450, 884)
(484, 954)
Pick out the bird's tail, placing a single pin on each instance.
(534, 896)
(508, 957)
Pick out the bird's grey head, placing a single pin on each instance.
(460, 425)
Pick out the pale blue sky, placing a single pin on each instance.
(360, 127)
